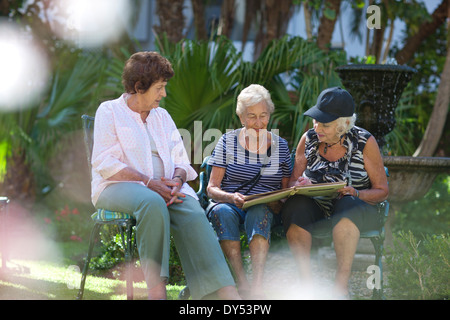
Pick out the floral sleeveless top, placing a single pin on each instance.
(349, 168)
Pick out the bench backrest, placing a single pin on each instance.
(88, 132)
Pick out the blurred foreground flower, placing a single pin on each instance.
(24, 69)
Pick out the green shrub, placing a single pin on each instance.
(112, 257)
(419, 269)
(112, 254)
(428, 215)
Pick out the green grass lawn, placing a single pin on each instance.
(59, 279)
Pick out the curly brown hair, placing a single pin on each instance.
(143, 69)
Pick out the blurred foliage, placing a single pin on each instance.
(429, 215)
(399, 140)
(35, 131)
(110, 261)
(294, 71)
(419, 269)
(412, 118)
(67, 224)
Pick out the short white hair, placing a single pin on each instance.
(344, 124)
(252, 95)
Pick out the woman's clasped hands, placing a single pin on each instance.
(168, 189)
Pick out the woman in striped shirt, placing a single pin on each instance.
(335, 150)
(247, 161)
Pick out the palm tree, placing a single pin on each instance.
(439, 114)
(171, 19)
(198, 8)
(330, 13)
(271, 18)
(227, 14)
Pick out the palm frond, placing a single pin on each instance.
(205, 74)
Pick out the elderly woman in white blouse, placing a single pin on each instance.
(140, 166)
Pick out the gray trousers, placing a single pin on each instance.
(201, 256)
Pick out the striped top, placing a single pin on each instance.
(242, 166)
(349, 168)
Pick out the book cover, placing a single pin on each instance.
(312, 190)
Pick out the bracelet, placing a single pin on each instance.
(182, 181)
(148, 182)
(357, 193)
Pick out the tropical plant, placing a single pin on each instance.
(400, 141)
(206, 74)
(31, 135)
(210, 75)
(311, 70)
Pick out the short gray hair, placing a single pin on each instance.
(342, 125)
(252, 95)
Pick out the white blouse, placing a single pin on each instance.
(158, 164)
(122, 140)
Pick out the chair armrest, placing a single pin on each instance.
(203, 183)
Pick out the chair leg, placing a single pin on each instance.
(128, 246)
(378, 246)
(94, 233)
(184, 294)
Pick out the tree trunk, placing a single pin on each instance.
(308, 25)
(251, 7)
(227, 13)
(19, 183)
(377, 43)
(388, 42)
(438, 17)
(438, 116)
(7, 6)
(198, 7)
(275, 17)
(171, 19)
(326, 26)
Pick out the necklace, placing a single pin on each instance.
(330, 145)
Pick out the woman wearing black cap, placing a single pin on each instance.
(335, 150)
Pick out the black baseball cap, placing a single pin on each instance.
(332, 103)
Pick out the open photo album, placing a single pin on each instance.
(313, 190)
